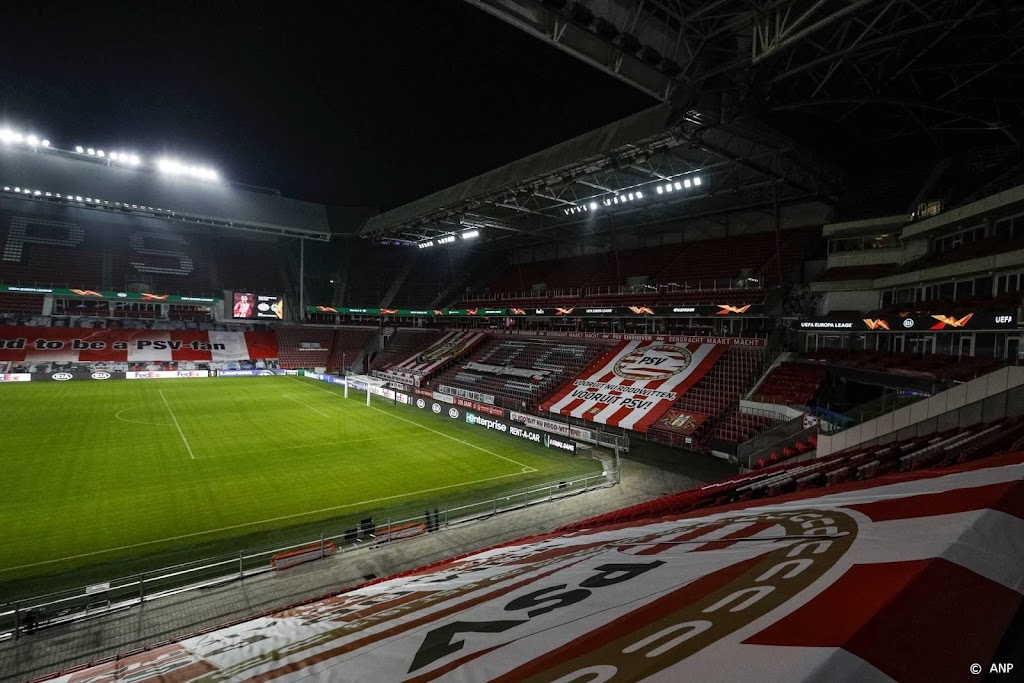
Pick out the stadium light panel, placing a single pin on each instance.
(593, 206)
(37, 193)
(46, 143)
(18, 137)
(470, 234)
(696, 180)
(660, 189)
(114, 156)
(100, 153)
(32, 140)
(90, 151)
(630, 195)
(668, 188)
(639, 195)
(79, 149)
(678, 185)
(686, 183)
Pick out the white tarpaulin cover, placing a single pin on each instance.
(911, 577)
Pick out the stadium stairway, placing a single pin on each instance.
(717, 396)
(404, 343)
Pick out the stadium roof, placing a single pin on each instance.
(571, 183)
(59, 177)
(756, 93)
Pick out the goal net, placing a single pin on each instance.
(370, 385)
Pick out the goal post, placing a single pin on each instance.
(363, 383)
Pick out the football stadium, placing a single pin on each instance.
(607, 340)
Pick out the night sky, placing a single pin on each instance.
(393, 101)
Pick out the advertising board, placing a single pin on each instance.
(167, 374)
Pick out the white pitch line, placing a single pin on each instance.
(183, 439)
(526, 468)
(307, 405)
(262, 521)
(290, 448)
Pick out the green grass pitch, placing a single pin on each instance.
(102, 473)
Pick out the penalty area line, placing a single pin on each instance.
(361, 503)
(526, 468)
(181, 433)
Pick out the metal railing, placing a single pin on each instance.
(84, 602)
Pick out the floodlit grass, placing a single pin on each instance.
(97, 472)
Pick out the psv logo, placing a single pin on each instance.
(655, 362)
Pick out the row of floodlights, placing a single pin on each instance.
(448, 239)
(8, 136)
(171, 167)
(78, 198)
(677, 185)
(627, 197)
(168, 166)
(123, 157)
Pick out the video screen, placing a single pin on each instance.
(261, 306)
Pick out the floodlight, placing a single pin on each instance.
(593, 206)
(78, 148)
(6, 135)
(639, 195)
(32, 140)
(100, 153)
(91, 151)
(114, 156)
(679, 185)
(37, 193)
(7, 188)
(46, 143)
(616, 200)
(686, 183)
(78, 198)
(660, 189)
(469, 234)
(630, 196)
(18, 137)
(696, 180)
(668, 187)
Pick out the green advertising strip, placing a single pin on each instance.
(119, 296)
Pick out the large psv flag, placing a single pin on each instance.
(914, 577)
(636, 383)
